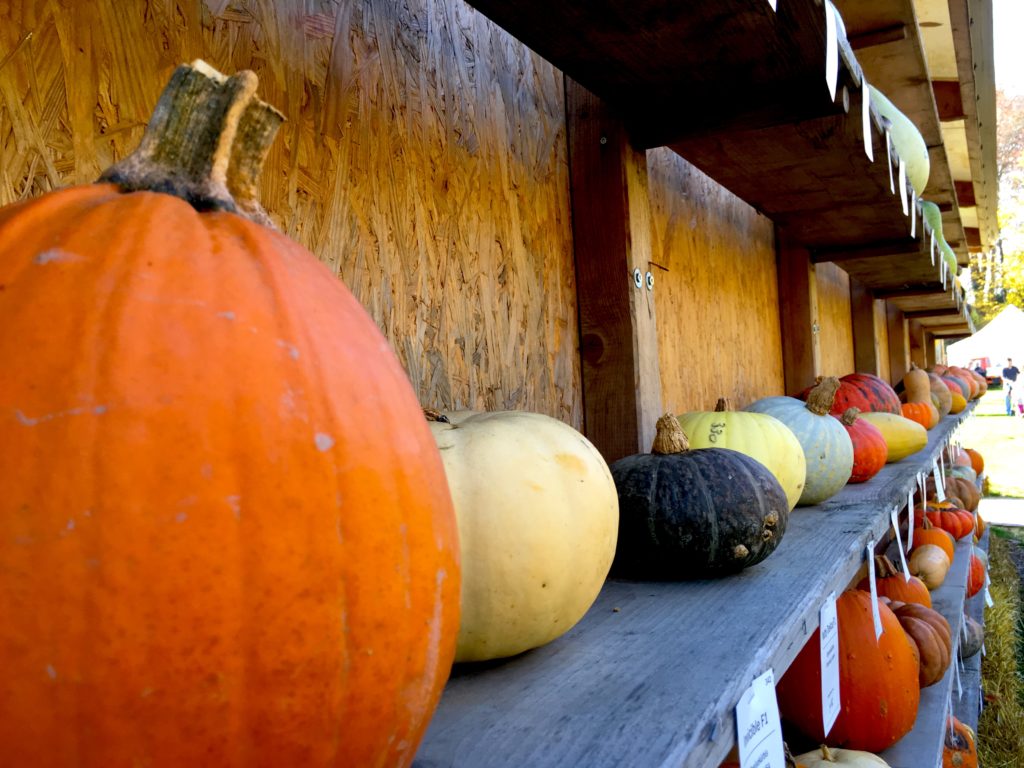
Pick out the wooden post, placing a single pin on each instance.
(899, 344)
(798, 314)
(612, 238)
(915, 336)
(865, 337)
(930, 355)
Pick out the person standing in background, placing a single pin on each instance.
(1010, 373)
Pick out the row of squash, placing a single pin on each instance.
(217, 450)
(881, 680)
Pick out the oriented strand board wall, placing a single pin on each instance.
(716, 290)
(835, 320)
(424, 160)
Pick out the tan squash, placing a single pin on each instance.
(930, 564)
(919, 405)
(826, 757)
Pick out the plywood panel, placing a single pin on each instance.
(424, 160)
(835, 320)
(715, 286)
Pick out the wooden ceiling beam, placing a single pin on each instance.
(965, 193)
(948, 100)
(882, 36)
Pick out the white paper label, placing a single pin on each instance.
(831, 50)
(888, 157)
(940, 490)
(913, 218)
(910, 519)
(759, 733)
(988, 599)
(875, 615)
(773, 4)
(903, 186)
(828, 623)
(865, 121)
(931, 246)
(895, 517)
(956, 678)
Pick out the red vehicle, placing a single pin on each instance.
(993, 375)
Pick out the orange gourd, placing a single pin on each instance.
(228, 538)
(890, 583)
(975, 575)
(924, 414)
(919, 405)
(977, 460)
(878, 680)
(959, 749)
(932, 534)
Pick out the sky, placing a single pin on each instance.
(1008, 21)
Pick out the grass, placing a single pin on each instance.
(1000, 440)
(1001, 727)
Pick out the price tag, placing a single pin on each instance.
(865, 120)
(942, 269)
(895, 517)
(913, 217)
(828, 624)
(888, 157)
(903, 186)
(931, 245)
(831, 50)
(910, 519)
(759, 733)
(940, 490)
(875, 615)
(956, 678)
(773, 4)
(988, 599)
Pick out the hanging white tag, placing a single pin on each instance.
(828, 624)
(865, 120)
(942, 269)
(922, 485)
(888, 157)
(963, 627)
(869, 552)
(773, 4)
(956, 678)
(940, 490)
(913, 218)
(831, 50)
(988, 599)
(759, 732)
(983, 653)
(894, 516)
(910, 519)
(903, 186)
(931, 245)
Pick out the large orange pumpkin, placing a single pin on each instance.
(228, 539)
(878, 681)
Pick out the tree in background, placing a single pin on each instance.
(997, 275)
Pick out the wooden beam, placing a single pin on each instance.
(948, 100)
(883, 249)
(899, 343)
(798, 314)
(915, 337)
(965, 193)
(930, 356)
(611, 235)
(882, 36)
(973, 237)
(865, 335)
(910, 291)
(931, 313)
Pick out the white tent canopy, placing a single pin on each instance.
(1003, 337)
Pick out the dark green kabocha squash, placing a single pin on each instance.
(693, 514)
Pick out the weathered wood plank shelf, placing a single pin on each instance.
(922, 747)
(652, 673)
(739, 91)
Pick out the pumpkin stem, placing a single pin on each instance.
(821, 397)
(827, 754)
(850, 416)
(432, 414)
(670, 437)
(189, 148)
(884, 567)
(788, 756)
(722, 405)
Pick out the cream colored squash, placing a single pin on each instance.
(538, 520)
(758, 435)
(825, 757)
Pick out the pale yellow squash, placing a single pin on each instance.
(902, 436)
(828, 757)
(538, 520)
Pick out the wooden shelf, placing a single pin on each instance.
(652, 673)
(923, 745)
(739, 91)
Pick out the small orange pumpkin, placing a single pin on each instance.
(931, 534)
(977, 460)
(959, 749)
(890, 583)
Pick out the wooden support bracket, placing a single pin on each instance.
(865, 334)
(612, 240)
